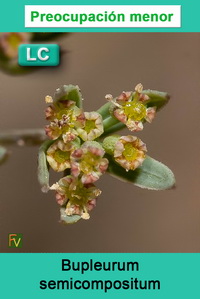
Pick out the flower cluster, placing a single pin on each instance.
(81, 150)
(74, 151)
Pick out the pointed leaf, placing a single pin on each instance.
(157, 99)
(151, 175)
(43, 168)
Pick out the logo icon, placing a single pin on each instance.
(15, 240)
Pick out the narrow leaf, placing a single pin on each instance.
(157, 99)
(151, 175)
(43, 169)
(64, 218)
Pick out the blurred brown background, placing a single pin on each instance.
(126, 219)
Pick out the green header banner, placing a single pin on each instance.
(100, 275)
(15, 16)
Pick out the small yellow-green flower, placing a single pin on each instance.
(129, 152)
(88, 162)
(78, 198)
(65, 117)
(58, 129)
(10, 41)
(58, 154)
(62, 108)
(130, 108)
(93, 126)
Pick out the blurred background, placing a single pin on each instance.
(127, 218)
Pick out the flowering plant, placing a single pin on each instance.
(84, 146)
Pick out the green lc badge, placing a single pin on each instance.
(39, 55)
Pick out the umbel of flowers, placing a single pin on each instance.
(82, 147)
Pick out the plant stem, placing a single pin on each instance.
(22, 137)
(109, 122)
(113, 129)
(104, 110)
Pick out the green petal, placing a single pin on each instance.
(68, 219)
(151, 175)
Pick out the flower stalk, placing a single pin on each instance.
(22, 137)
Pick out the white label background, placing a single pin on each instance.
(100, 9)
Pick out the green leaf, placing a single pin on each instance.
(157, 99)
(43, 168)
(64, 218)
(3, 154)
(69, 92)
(151, 175)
